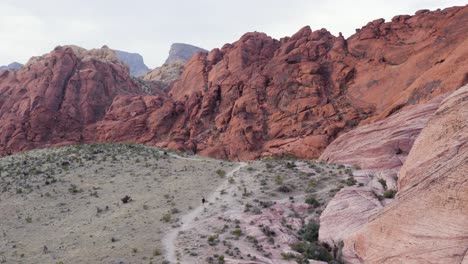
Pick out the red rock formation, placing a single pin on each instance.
(428, 221)
(256, 97)
(54, 97)
(260, 97)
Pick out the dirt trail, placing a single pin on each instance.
(169, 240)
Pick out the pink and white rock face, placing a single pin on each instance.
(428, 221)
(383, 144)
(348, 211)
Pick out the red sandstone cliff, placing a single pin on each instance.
(255, 97)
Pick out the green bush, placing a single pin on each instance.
(221, 173)
(236, 232)
(350, 181)
(279, 180)
(309, 232)
(166, 217)
(312, 251)
(389, 194)
(384, 183)
(311, 200)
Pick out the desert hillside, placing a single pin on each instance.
(67, 205)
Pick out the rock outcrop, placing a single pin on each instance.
(181, 52)
(134, 61)
(53, 97)
(428, 221)
(166, 74)
(11, 66)
(257, 97)
(383, 144)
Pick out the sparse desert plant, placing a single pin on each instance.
(312, 251)
(279, 179)
(311, 200)
(166, 217)
(156, 252)
(221, 173)
(309, 232)
(291, 165)
(389, 194)
(284, 189)
(29, 219)
(73, 189)
(350, 181)
(236, 232)
(384, 183)
(288, 256)
(213, 240)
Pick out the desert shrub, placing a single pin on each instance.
(221, 173)
(156, 252)
(309, 232)
(279, 179)
(166, 217)
(384, 183)
(312, 251)
(350, 181)
(291, 165)
(389, 194)
(284, 189)
(288, 256)
(311, 200)
(213, 240)
(236, 232)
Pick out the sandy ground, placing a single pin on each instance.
(64, 205)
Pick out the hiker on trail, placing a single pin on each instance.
(203, 200)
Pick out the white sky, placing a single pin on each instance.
(34, 27)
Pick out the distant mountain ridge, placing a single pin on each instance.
(12, 66)
(134, 61)
(182, 52)
(170, 71)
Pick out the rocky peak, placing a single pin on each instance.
(11, 66)
(182, 52)
(134, 61)
(172, 69)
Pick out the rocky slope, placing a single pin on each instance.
(428, 221)
(252, 98)
(134, 61)
(11, 66)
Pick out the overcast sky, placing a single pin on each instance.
(34, 27)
